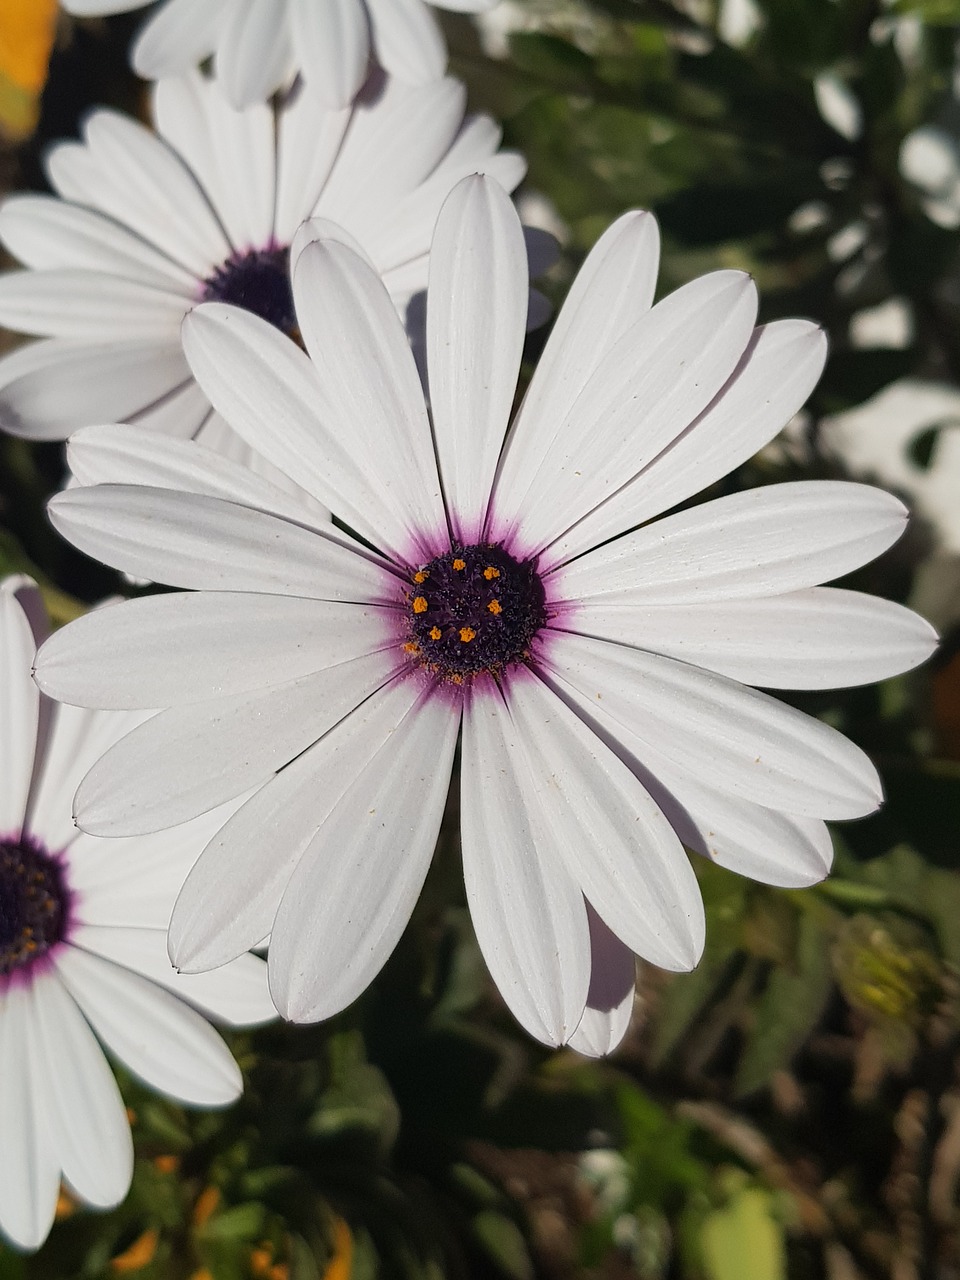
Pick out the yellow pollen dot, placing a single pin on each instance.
(494, 606)
(420, 604)
(420, 576)
(435, 633)
(456, 679)
(490, 573)
(459, 564)
(410, 647)
(467, 634)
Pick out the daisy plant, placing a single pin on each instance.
(145, 225)
(517, 590)
(83, 957)
(258, 46)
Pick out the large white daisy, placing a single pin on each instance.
(259, 45)
(149, 224)
(83, 957)
(511, 589)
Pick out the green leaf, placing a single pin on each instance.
(503, 1241)
(744, 1241)
(242, 1222)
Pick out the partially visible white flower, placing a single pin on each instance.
(259, 46)
(930, 159)
(147, 225)
(83, 957)
(876, 441)
(838, 106)
(513, 587)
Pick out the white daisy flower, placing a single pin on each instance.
(510, 588)
(83, 957)
(258, 46)
(149, 224)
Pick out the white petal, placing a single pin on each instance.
(333, 47)
(407, 40)
(157, 1037)
(309, 138)
(19, 710)
(270, 394)
(740, 740)
(353, 891)
(610, 998)
(253, 55)
(29, 1170)
(190, 540)
(647, 389)
(527, 910)
(476, 317)
(189, 759)
(758, 542)
(70, 303)
(85, 1112)
(233, 150)
(371, 395)
(613, 289)
(822, 638)
(50, 387)
(612, 836)
(779, 369)
(46, 233)
(179, 34)
(180, 413)
(167, 650)
(116, 455)
(217, 436)
(236, 993)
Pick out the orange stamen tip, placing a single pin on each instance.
(494, 607)
(435, 633)
(490, 573)
(420, 576)
(467, 634)
(420, 604)
(459, 564)
(410, 647)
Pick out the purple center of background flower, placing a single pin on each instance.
(473, 610)
(33, 903)
(258, 281)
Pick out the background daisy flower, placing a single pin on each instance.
(258, 46)
(147, 225)
(508, 589)
(83, 957)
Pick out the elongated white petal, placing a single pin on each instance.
(235, 993)
(189, 759)
(756, 543)
(270, 394)
(745, 742)
(407, 40)
(45, 233)
(610, 998)
(821, 638)
(166, 650)
(178, 35)
(84, 1110)
(19, 710)
(612, 836)
(78, 304)
(309, 138)
(191, 540)
(643, 393)
(29, 1170)
(158, 1037)
(527, 910)
(353, 890)
(253, 55)
(232, 150)
(779, 369)
(332, 41)
(48, 388)
(476, 317)
(612, 290)
(372, 400)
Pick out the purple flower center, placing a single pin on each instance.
(258, 281)
(473, 611)
(33, 903)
